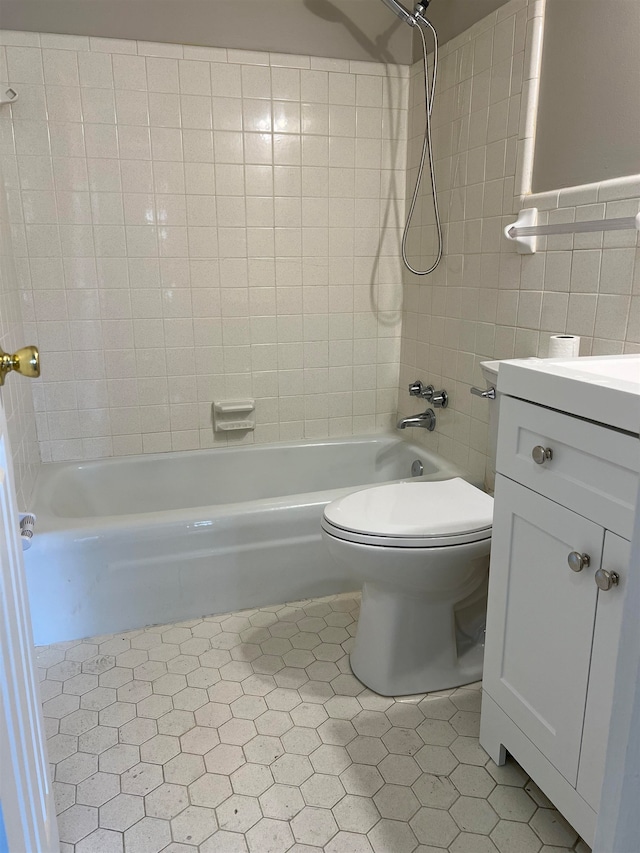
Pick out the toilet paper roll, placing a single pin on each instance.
(564, 346)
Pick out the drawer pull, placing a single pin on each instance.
(540, 454)
(578, 562)
(605, 580)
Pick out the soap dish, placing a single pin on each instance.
(225, 415)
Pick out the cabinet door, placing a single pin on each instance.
(606, 636)
(540, 620)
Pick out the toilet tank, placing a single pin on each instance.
(490, 373)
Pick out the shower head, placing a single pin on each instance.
(403, 13)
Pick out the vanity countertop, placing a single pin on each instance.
(605, 389)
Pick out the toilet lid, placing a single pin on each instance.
(414, 509)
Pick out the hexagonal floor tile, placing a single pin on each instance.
(141, 779)
(511, 803)
(210, 790)
(366, 750)
(473, 815)
(184, 768)
(238, 813)
(468, 843)
(397, 802)
(121, 812)
(76, 822)
(356, 814)
(251, 779)
(437, 792)
(552, 828)
(224, 758)
(300, 741)
(166, 801)
(282, 802)
(314, 826)
(104, 840)
(291, 769)
(399, 769)
(199, 740)
(118, 758)
(98, 789)
(434, 826)
(362, 779)
(194, 825)
(392, 835)
(472, 781)
(322, 790)
(263, 749)
(249, 733)
(149, 835)
(509, 836)
(270, 836)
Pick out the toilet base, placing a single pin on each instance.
(407, 644)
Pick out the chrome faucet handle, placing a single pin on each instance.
(417, 389)
(485, 393)
(440, 399)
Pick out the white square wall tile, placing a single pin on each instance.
(247, 177)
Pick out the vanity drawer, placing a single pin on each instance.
(592, 469)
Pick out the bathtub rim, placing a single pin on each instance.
(50, 523)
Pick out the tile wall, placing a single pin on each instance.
(194, 224)
(16, 393)
(485, 301)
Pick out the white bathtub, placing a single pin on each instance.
(122, 543)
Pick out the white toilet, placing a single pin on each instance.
(422, 552)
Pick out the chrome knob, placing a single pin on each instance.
(540, 454)
(578, 562)
(440, 399)
(486, 394)
(605, 580)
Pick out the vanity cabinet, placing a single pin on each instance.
(564, 508)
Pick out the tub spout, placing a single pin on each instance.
(425, 420)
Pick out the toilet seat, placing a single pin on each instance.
(412, 515)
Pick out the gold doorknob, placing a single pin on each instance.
(25, 361)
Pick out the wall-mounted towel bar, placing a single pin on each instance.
(525, 230)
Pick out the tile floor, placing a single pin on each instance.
(248, 732)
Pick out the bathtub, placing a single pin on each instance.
(123, 543)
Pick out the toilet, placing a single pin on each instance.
(421, 549)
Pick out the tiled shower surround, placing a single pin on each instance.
(247, 733)
(196, 224)
(193, 224)
(485, 301)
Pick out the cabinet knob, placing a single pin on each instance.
(578, 562)
(605, 580)
(540, 454)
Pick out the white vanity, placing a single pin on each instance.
(568, 463)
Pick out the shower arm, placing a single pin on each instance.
(404, 14)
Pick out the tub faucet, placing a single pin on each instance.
(426, 420)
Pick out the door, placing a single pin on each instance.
(540, 620)
(606, 638)
(27, 813)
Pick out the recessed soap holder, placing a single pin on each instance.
(227, 415)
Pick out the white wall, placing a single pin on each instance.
(16, 392)
(194, 224)
(588, 118)
(485, 301)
